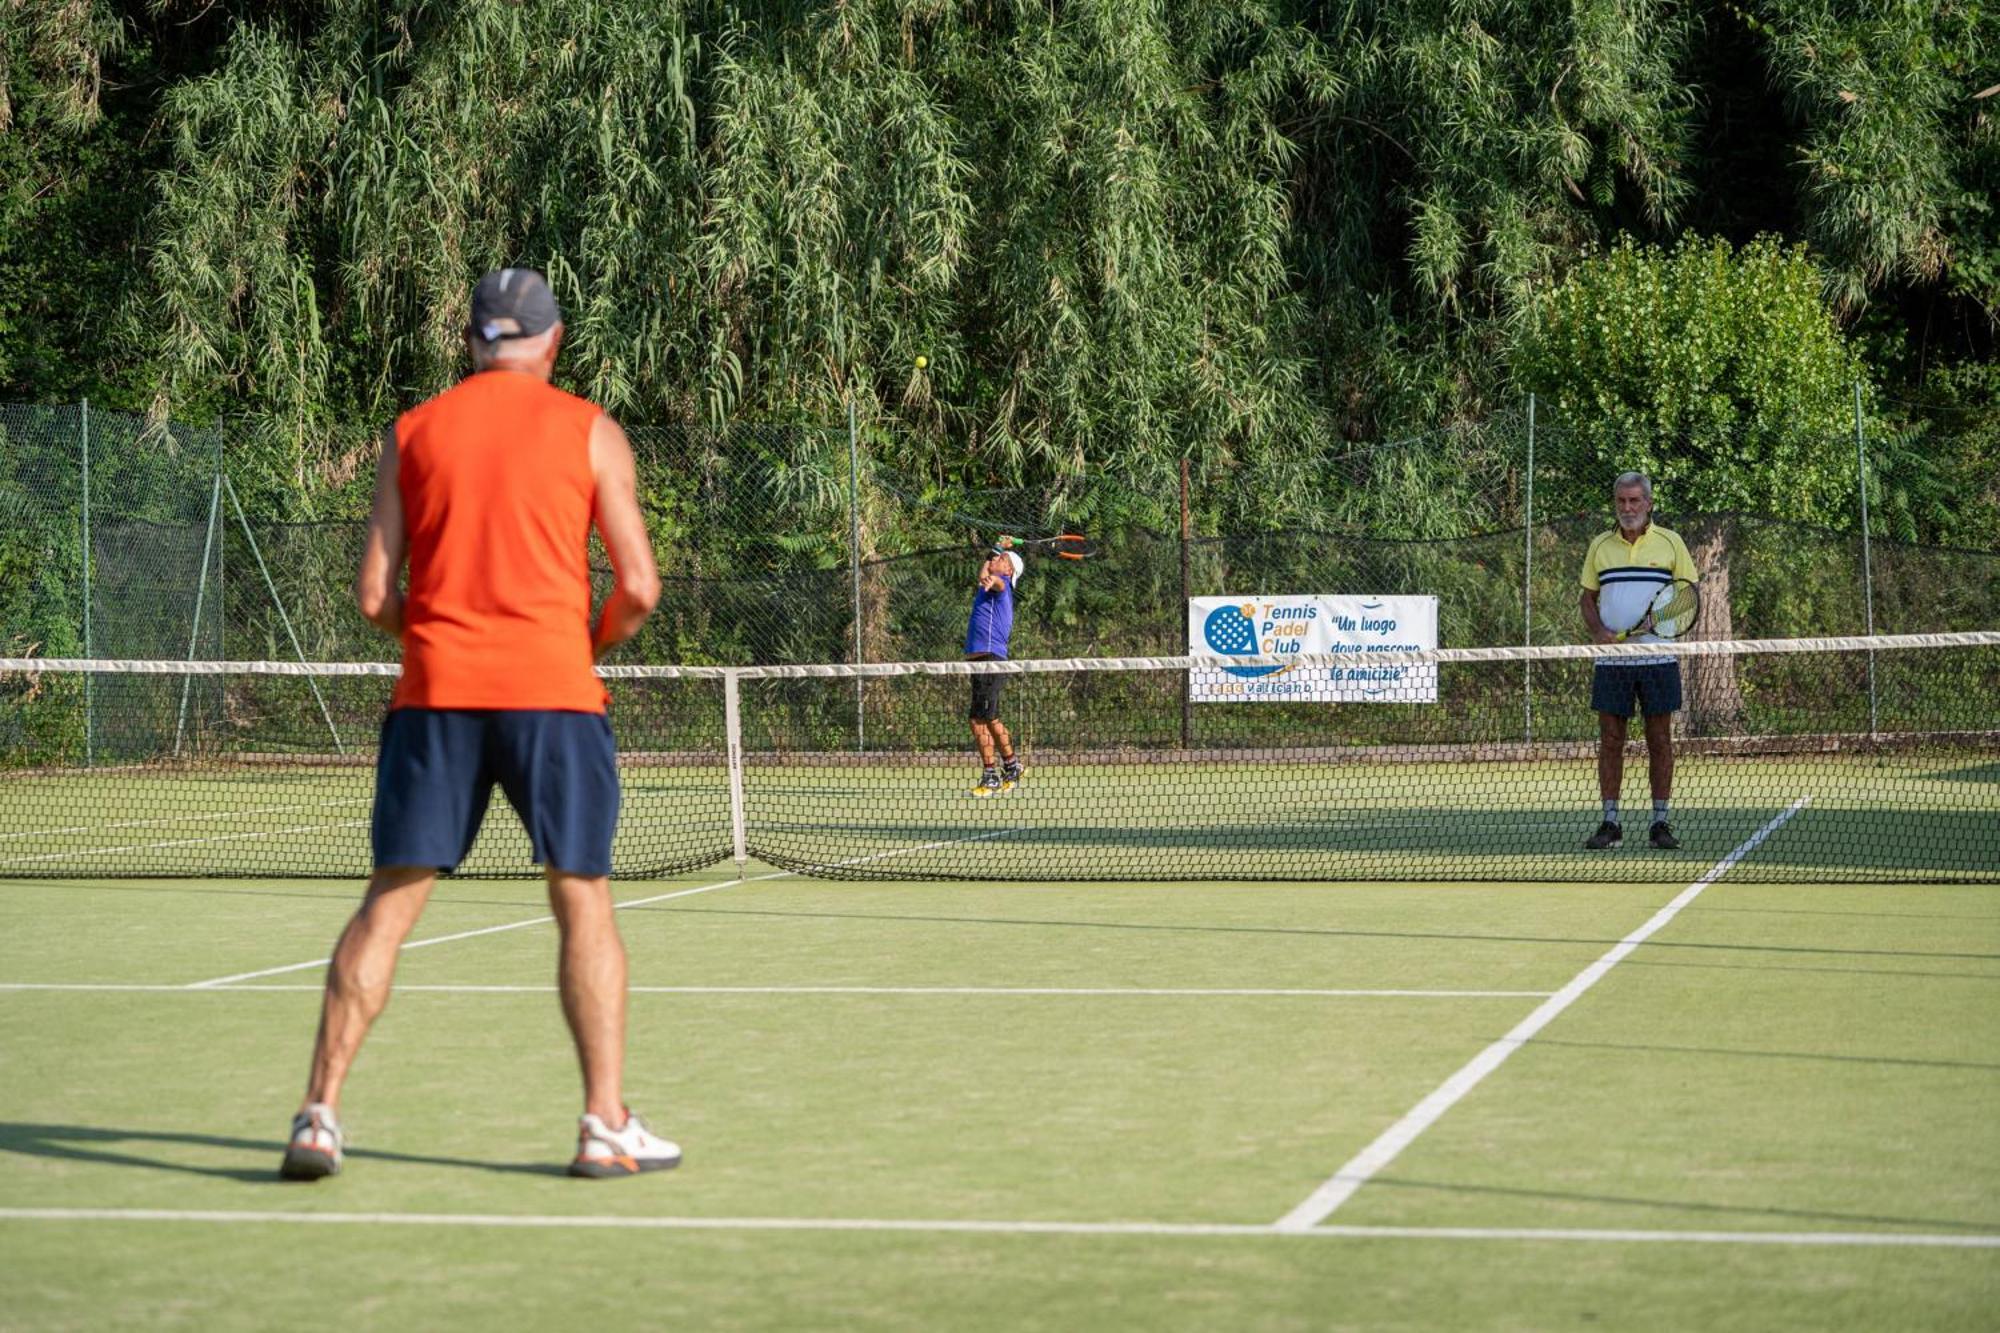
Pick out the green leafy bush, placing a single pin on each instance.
(1719, 371)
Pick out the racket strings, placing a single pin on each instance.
(1676, 612)
(1676, 606)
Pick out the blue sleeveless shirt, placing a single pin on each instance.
(992, 622)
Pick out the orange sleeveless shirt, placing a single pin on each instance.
(498, 494)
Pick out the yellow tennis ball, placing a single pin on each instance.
(923, 361)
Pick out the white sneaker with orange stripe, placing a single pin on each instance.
(603, 1152)
(315, 1147)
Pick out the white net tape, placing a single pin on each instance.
(1031, 666)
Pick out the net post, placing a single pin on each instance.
(854, 564)
(1867, 552)
(200, 591)
(1187, 592)
(732, 721)
(89, 694)
(283, 615)
(1528, 585)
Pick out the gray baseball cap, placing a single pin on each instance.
(520, 295)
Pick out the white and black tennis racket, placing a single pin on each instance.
(1671, 614)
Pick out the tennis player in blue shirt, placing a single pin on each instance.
(986, 634)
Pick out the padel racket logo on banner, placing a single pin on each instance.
(1232, 631)
(1315, 625)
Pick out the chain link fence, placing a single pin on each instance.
(794, 543)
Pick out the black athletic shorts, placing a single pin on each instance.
(986, 690)
(1655, 685)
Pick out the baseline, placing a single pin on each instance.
(1338, 1188)
(169, 820)
(183, 842)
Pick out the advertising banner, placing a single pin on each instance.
(1349, 627)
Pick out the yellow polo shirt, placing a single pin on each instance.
(1627, 575)
(1656, 548)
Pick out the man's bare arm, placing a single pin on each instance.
(622, 528)
(1591, 622)
(376, 587)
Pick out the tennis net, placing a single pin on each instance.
(1864, 759)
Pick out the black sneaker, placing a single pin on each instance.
(1608, 835)
(1662, 837)
(1010, 775)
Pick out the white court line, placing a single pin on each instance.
(946, 1226)
(215, 982)
(1364, 1165)
(182, 819)
(184, 842)
(1303, 993)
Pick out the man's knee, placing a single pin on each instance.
(396, 894)
(390, 879)
(578, 897)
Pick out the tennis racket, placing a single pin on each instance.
(1671, 614)
(1067, 546)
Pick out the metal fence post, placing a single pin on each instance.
(854, 563)
(1187, 592)
(89, 694)
(1528, 585)
(1867, 548)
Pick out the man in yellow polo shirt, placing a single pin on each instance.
(1623, 571)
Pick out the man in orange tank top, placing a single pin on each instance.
(489, 491)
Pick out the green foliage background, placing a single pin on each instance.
(1245, 233)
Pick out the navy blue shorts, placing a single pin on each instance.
(438, 766)
(1656, 685)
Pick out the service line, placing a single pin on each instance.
(950, 1226)
(997, 991)
(216, 982)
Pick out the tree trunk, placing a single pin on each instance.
(1714, 703)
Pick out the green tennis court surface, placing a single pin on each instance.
(914, 1105)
